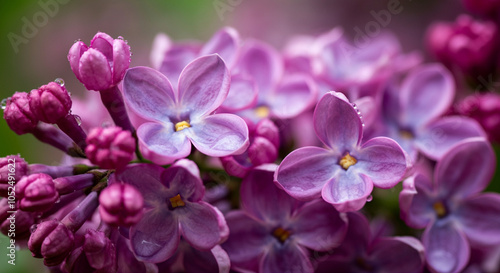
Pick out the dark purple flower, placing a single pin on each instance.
(345, 172)
(274, 232)
(451, 206)
(50, 102)
(173, 207)
(121, 205)
(363, 252)
(52, 241)
(110, 147)
(18, 114)
(483, 7)
(102, 65)
(184, 115)
(466, 45)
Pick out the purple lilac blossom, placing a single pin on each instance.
(344, 173)
(361, 252)
(451, 207)
(184, 115)
(274, 232)
(173, 208)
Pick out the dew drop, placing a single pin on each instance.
(355, 106)
(33, 228)
(58, 200)
(369, 198)
(4, 104)
(106, 124)
(78, 120)
(362, 124)
(59, 81)
(120, 38)
(76, 41)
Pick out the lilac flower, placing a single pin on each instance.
(452, 208)
(344, 173)
(110, 148)
(173, 207)
(274, 232)
(183, 115)
(412, 114)
(361, 251)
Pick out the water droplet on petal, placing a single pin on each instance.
(33, 228)
(78, 119)
(369, 198)
(76, 41)
(4, 104)
(362, 124)
(120, 38)
(59, 81)
(355, 106)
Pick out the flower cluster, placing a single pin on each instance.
(233, 155)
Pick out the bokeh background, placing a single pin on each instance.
(41, 57)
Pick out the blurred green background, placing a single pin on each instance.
(41, 57)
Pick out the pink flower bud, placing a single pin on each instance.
(110, 148)
(12, 169)
(50, 102)
(485, 109)
(121, 205)
(52, 241)
(103, 64)
(18, 115)
(36, 192)
(20, 221)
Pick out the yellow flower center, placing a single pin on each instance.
(182, 125)
(347, 161)
(281, 234)
(440, 209)
(406, 134)
(176, 201)
(262, 111)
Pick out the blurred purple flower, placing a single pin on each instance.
(487, 8)
(274, 232)
(363, 252)
(173, 207)
(344, 173)
(181, 116)
(452, 208)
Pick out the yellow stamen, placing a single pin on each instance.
(262, 111)
(406, 134)
(347, 161)
(281, 234)
(440, 209)
(176, 201)
(182, 125)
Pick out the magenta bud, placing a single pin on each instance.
(36, 192)
(267, 129)
(121, 205)
(50, 102)
(100, 251)
(13, 221)
(262, 151)
(110, 148)
(482, 7)
(12, 169)
(18, 114)
(103, 64)
(485, 109)
(465, 44)
(52, 241)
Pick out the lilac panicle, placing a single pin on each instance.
(173, 208)
(18, 114)
(452, 208)
(184, 115)
(274, 232)
(101, 65)
(110, 147)
(345, 172)
(363, 252)
(121, 205)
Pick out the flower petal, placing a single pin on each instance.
(399, 254)
(426, 93)
(305, 171)
(95, 72)
(156, 237)
(415, 201)
(203, 85)
(435, 139)
(219, 135)
(242, 94)
(225, 42)
(248, 240)
(286, 258)
(262, 199)
(160, 144)
(175, 58)
(200, 225)
(319, 226)
(103, 43)
(293, 96)
(179, 180)
(121, 59)
(161, 44)
(348, 191)
(480, 218)
(75, 53)
(447, 249)
(149, 93)
(337, 123)
(382, 160)
(215, 260)
(466, 169)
